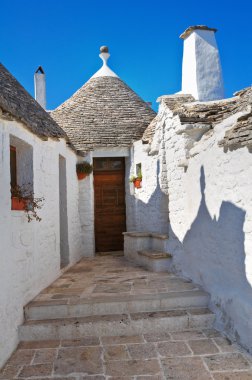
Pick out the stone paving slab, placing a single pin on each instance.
(113, 277)
(184, 355)
(192, 354)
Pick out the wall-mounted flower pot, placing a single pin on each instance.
(81, 175)
(17, 204)
(138, 183)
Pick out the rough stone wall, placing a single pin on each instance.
(210, 214)
(29, 252)
(147, 208)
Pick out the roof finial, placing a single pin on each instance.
(104, 71)
(104, 49)
(104, 54)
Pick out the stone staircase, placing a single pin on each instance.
(108, 296)
(148, 249)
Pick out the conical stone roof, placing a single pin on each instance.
(105, 112)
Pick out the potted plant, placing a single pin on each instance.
(17, 201)
(22, 199)
(137, 181)
(83, 169)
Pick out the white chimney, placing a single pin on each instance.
(40, 86)
(201, 71)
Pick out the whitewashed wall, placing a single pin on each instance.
(210, 212)
(147, 208)
(86, 211)
(201, 70)
(29, 252)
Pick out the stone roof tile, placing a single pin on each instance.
(17, 103)
(241, 133)
(105, 112)
(214, 112)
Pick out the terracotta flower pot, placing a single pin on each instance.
(81, 175)
(138, 183)
(17, 204)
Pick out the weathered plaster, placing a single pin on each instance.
(148, 207)
(201, 70)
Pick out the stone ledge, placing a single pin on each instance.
(191, 29)
(146, 234)
(155, 255)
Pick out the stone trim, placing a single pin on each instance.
(146, 234)
(191, 29)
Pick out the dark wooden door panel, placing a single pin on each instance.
(110, 214)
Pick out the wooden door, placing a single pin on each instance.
(110, 214)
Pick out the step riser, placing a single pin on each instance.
(159, 245)
(157, 265)
(135, 327)
(86, 309)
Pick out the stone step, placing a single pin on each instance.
(155, 261)
(155, 255)
(116, 305)
(117, 324)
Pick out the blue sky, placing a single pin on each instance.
(143, 36)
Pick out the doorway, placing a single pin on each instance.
(110, 210)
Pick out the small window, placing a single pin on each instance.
(21, 169)
(13, 166)
(139, 170)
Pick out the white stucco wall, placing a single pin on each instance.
(30, 252)
(147, 208)
(210, 213)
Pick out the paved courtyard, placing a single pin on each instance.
(187, 355)
(195, 354)
(108, 276)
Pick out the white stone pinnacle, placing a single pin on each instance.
(104, 71)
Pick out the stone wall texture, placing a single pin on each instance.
(147, 208)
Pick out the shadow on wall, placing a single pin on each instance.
(153, 215)
(213, 255)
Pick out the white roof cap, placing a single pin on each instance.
(104, 71)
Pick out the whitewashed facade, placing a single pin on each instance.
(30, 252)
(210, 213)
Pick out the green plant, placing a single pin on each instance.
(84, 167)
(133, 178)
(31, 204)
(139, 174)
